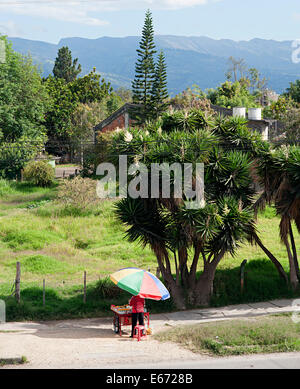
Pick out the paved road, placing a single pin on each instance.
(267, 361)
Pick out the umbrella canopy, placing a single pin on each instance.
(140, 282)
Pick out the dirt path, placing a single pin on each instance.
(91, 343)
(87, 343)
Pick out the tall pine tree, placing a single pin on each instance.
(159, 88)
(65, 67)
(142, 86)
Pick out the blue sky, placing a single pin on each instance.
(51, 20)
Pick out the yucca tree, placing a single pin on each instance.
(279, 171)
(184, 238)
(234, 135)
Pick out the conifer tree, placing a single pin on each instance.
(159, 88)
(65, 67)
(142, 86)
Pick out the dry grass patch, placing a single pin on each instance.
(268, 334)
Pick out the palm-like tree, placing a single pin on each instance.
(234, 135)
(279, 172)
(182, 237)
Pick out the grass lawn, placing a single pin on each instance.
(59, 246)
(269, 334)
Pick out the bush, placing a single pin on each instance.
(78, 194)
(106, 289)
(39, 173)
(15, 155)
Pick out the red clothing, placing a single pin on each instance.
(137, 304)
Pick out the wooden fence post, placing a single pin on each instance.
(157, 272)
(84, 287)
(17, 284)
(44, 292)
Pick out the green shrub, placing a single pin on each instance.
(81, 244)
(40, 173)
(15, 155)
(106, 289)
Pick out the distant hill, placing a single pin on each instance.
(190, 60)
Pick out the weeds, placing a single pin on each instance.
(13, 361)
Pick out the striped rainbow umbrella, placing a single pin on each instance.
(140, 282)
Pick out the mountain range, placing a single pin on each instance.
(190, 60)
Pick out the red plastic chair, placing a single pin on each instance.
(139, 332)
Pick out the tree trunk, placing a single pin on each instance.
(205, 284)
(176, 291)
(193, 268)
(183, 257)
(293, 273)
(277, 264)
(204, 288)
(177, 294)
(294, 249)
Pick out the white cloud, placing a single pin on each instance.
(181, 3)
(10, 28)
(87, 11)
(67, 11)
(152, 4)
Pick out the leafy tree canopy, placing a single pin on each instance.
(23, 97)
(23, 104)
(90, 88)
(235, 94)
(65, 98)
(294, 91)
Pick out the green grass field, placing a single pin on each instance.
(59, 246)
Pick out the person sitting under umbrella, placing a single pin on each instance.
(137, 303)
(142, 284)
